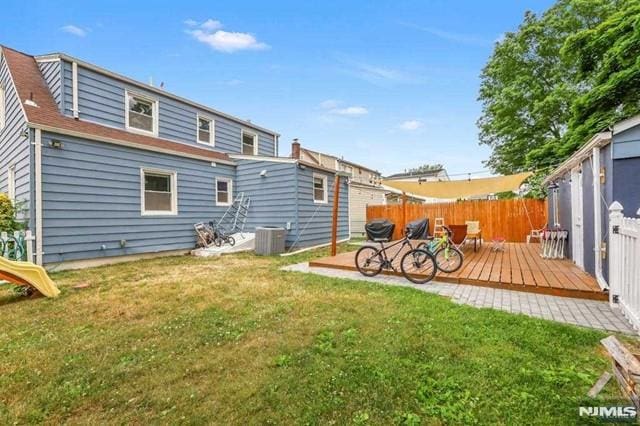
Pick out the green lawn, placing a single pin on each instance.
(235, 340)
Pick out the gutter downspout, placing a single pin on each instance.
(38, 185)
(597, 219)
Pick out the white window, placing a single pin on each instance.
(249, 143)
(11, 183)
(319, 188)
(3, 109)
(206, 130)
(141, 113)
(224, 191)
(159, 192)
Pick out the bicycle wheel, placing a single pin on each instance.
(232, 241)
(448, 259)
(368, 261)
(217, 241)
(418, 266)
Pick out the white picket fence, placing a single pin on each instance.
(624, 263)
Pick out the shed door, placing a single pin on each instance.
(576, 217)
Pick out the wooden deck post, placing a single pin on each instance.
(334, 222)
(404, 213)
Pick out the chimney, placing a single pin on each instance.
(295, 149)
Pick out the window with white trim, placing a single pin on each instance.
(3, 108)
(159, 192)
(249, 143)
(11, 183)
(141, 114)
(224, 191)
(206, 130)
(319, 188)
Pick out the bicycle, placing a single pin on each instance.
(448, 258)
(417, 265)
(221, 237)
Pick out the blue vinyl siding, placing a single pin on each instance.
(273, 197)
(101, 99)
(52, 74)
(314, 220)
(92, 196)
(14, 146)
(626, 170)
(627, 144)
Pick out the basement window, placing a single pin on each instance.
(205, 130)
(159, 192)
(319, 189)
(249, 143)
(142, 113)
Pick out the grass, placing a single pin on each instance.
(235, 340)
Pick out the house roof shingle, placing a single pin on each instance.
(30, 86)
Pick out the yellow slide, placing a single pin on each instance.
(27, 273)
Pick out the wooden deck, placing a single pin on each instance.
(519, 267)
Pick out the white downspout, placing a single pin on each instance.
(597, 218)
(38, 178)
(74, 90)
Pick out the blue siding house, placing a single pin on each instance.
(108, 168)
(604, 170)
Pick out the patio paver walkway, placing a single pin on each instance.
(582, 312)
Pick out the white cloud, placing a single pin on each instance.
(374, 74)
(329, 104)
(333, 108)
(74, 30)
(211, 25)
(190, 22)
(350, 111)
(469, 39)
(411, 125)
(210, 33)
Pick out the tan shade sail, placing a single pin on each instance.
(461, 188)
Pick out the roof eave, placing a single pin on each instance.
(597, 140)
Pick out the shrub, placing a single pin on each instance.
(8, 221)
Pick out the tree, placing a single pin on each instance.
(528, 88)
(607, 59)
(425, 168)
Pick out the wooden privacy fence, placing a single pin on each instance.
(512, 219)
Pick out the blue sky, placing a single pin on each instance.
(389, 84)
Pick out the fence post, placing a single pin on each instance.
(615, 258)
(28, 240)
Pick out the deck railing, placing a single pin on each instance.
(17, 245)
(624, 263)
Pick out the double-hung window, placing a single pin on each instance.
(249, 143)
(141, 114)
(206, 130)
(159, 192)
(319, 188)
(224, 191)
